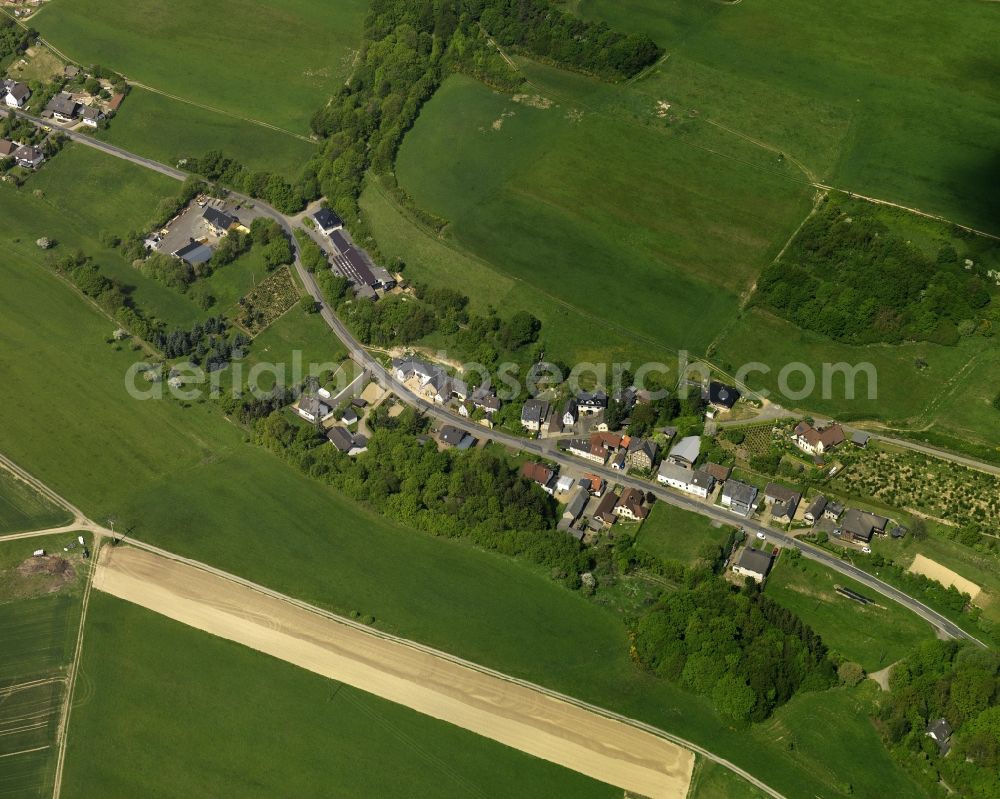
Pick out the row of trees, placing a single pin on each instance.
(961, 684)
(266, 186)
(849, 277)
(746, 653)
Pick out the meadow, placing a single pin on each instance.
(873, 635)
(675, 534)
(589, 200)
(894, 101)
(301, 735)
(180, 476)
(38, 631)
(22, 508)
(276, 63)
(167, 130)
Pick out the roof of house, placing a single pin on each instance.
(194, 252)
(718, 472)
(722, 395)
(328, 219)
(776, 492)
(854, 522)
(89, 112)
(534, 410)
(537, 472)
(643, 445)
(592, 398)
(741, 493)
(878, 522)
(7, 147)
(26, 152)
(783, 509)
(755, 560)
(605, 508)
(861, 439)
(829, 436)
(577, 503)
(62, 104)
(571, 408)
(451, 435)
(686, 449)
(939, 729)
(596, 484)
(600, 443)
(115, 102)
(350, 416)
(313, 405)
(702, 479)
(817, 506)
(341, 438)
(833, 508)
(673, 471)
(632, 498)
(218, 218)
(18, 90)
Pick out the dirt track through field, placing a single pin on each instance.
(508, 712)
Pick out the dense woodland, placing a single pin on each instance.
(961, 684)
(14, 40)
(849, 277)
(746, 653)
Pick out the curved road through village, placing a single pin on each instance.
(542, 448)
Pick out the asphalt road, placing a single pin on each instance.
(539, 447)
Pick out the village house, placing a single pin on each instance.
(605, 513)
(815, 510)
(456, 437)
(619, 460)
(740, 498)
(28, 156)
(860, 439)
(685, 452)
(753, 563)
(327, 220)
(694, 482)
(218, 221)
(534, 412)
(573, 510)
(629, 505)
(833, 511)
(91, 116)
(940, 731)
(15, 94)
(571, 413)
(444, 388)
(642, 454)
(486, 400)
(719, 473)
(817, 441)
(62, 107)
(407, 368)
(722, 397)
(594, 484)
(7, 147)
(858, 525)
(784, 501)
(312, 408)
(345, 441)
(591, 402)
(540, 474)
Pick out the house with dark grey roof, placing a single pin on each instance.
(311, 408)
(534, 412)
(754, 563)
(833, 511)
(345, 441)
(855, 527)
(784, 501)
(815, 510)
(722, 396)
(15, 94)
(62, 107)
(91, 116)
(695, 482)
(456, 437)
(591, 402)
(740, 498)
(486, 399)
(574, 508)
(328, 220)
(642, 453)
(939, 731)
(860, 439)
(218, 221)
(194, 252)
(28, 157)
(571, 413)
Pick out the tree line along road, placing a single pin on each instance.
(544, 449)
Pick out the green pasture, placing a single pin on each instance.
(712, 781)
(894, 101)
(268, 61)
(874, 635)
(168, 130)
(22, 508)
(251, 725)
(675, 534)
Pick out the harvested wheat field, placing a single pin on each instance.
(485, 703)
(944, 575)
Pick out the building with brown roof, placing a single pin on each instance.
(629, 505)
(539, 473)
(814, 441)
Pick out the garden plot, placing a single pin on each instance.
(267, 301)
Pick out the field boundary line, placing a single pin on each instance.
(455, 659)
(26, 751)
(74, 669)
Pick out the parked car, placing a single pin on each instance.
(761, 536)
(866, 550)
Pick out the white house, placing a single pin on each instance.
(15, 94)
(753, 563)
(571, 413)
(739, 497)
(694, 482)
(312, 408)
(534, 412)
(815, 441)
(28, 157)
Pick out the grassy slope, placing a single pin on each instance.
(168, 130)
(83, 194)
(251, 725)
(893, 101)
(874, 635)
(184, 479)
(712, 781)
(593, 199)
(672, 533)
(21, 508)
(268, 61)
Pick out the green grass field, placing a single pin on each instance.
(185, 479)
(894, 102)
(22, 508)
(712, 781)
(273, 62)
(250, 725)
(168, 130)
(593, 201)
(38, 630)
(873, 635)
(677, 534)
